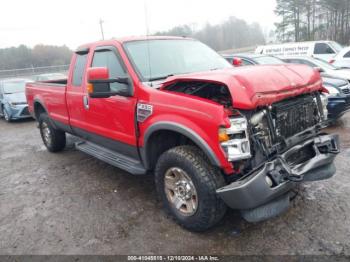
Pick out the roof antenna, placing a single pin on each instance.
(148, 47)
(101, 27)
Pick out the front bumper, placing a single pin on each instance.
(18, 112)
(285, 171)
(337, 106)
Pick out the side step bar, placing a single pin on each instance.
(111, 157)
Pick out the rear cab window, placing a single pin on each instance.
(245, 62)
(79, 68)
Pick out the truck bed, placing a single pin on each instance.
(53, 94)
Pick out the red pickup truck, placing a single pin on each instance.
(214, 136)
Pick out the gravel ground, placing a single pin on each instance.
(71, 203)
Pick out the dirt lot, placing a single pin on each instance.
(71, 203)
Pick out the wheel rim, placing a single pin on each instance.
(46, 133)
(180, 191)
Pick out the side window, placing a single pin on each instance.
(229, 59)
(79, 67)
(301, 62)
(347, 55)
(323, 48)
(109, 59)
(246, 62)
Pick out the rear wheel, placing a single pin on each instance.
(186, 184)
(54, 139)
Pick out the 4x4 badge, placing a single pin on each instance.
(143, 111)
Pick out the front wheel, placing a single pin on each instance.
(6, 115)
(54, 139)
(186, 184)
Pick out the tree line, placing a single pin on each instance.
(40, 55)
(304, 20)
(232, 33)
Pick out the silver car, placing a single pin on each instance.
(13, 103)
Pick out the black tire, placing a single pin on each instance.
(206, 179)
(56, 140)
(6, 115)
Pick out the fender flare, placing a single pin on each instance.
(38, 101)
(187, 132)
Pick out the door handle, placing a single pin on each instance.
(86, 102)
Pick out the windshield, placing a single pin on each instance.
(321, 63)
(336, 46)
(268, 60)
(157, 59)
(14, 87)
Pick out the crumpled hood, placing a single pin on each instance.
(253, 86)
(16, 97)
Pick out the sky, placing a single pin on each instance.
(75, 22)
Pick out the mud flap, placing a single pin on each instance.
(269, 210)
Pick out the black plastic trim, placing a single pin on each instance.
(189, 133)
(114, 145)
(254, 191)
(82, 51)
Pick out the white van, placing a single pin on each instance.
(324, 50)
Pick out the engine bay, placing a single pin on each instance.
(212, 91)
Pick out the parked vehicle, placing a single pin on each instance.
(13, 103)
(342, 59)
(324, 50)
(50, 76)
(325, 68)
(213, 135)
(339, 93)
(338, 98)
(252, 59)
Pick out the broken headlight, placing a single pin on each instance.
(234, 140)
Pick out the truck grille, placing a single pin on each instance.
(294, 116)
(345, 89)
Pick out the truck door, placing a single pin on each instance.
(110, 122)
(75, 90)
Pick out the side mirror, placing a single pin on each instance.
(319, 69)
(236, 61)
(99, 83)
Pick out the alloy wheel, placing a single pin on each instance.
(180, 191)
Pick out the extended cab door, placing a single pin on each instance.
(110, 122)
(75, 94)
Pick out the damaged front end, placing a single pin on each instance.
(287, 147)
(277, 177)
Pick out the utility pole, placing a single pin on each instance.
(101, 27)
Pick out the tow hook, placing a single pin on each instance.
(279, 175)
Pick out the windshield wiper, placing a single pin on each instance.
(159, 77)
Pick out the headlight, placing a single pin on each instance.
(234, 140)
(332, 90)
(12, 104)
(324, 102)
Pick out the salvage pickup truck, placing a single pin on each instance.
(214, 136)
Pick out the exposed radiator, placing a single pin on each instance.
(294, 116)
